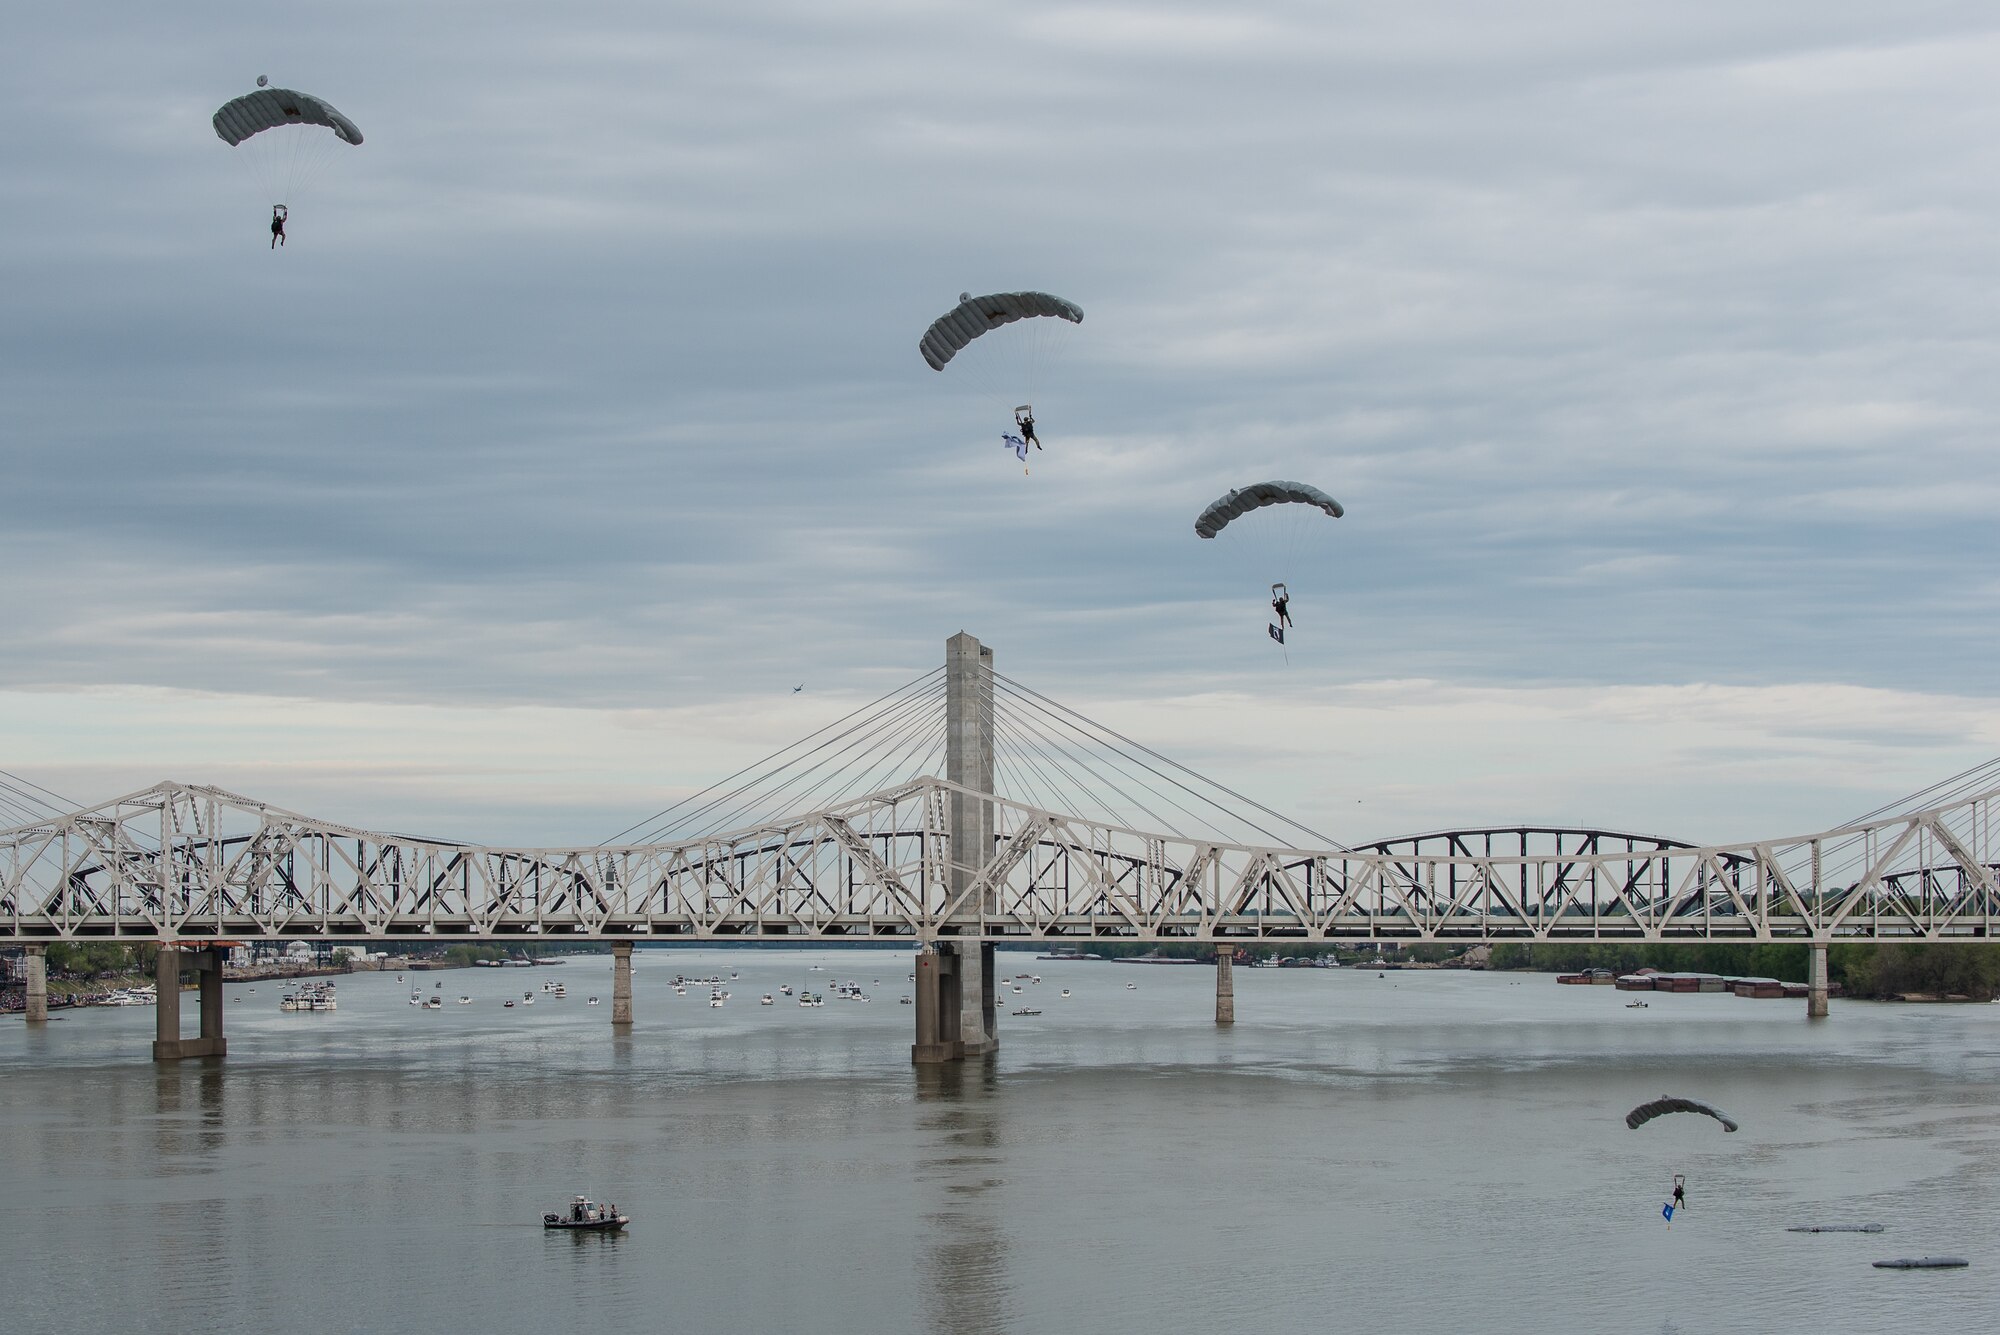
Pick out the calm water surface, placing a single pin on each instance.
(1418, 1152)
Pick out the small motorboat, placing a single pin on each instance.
(1131, 987)
(905, 1001)
(434, 1003)
(587, 1216)
(786, 989)
(465, 1001)
(1065, 992)
(508, 1004)
(1636, 1006)
(593, 1001)
(767, 1000)
(1024, 1010)
(714, 1002)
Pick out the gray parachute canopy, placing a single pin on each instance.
(974, 316)
(268, 108)
(1257, 495)
(1665, 1104)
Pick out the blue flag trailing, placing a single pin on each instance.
(1276, 633)
(1018, 445)
(1667, 1212)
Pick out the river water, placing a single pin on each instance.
(1412, 1152)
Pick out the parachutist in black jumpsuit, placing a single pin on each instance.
(1027, 424)
(278, 216)
(1680, 1197)
(1281, 604)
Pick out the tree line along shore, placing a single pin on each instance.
(1873, 971)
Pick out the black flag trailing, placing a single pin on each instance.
(1276, 634)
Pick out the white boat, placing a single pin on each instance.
(904, 1000)
(714, 1001)
(1131, 987)
(435, 1003)
(465, 1001)
(767, 1000)
(786, 989)
(1065, 992)
(509, 1003)
(593, 1001)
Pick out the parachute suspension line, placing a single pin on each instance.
(729, 790)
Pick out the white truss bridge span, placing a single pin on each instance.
(184, 862)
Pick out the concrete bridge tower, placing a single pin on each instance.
(957, 994)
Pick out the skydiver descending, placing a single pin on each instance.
(278, 215)
(1024, 417)
(1680, 1192)
(1281, 603)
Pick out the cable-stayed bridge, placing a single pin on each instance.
(965, 809)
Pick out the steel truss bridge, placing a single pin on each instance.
(178, 862)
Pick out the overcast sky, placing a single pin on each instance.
(1650, 347)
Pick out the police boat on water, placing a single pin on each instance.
(587, 1216)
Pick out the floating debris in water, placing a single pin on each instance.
(1835, 1228)
(1925, 1263)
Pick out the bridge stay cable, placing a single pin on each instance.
(25, 802)
(729, 790)
(1139, 755)
(855, 764)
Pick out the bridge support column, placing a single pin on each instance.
(938, 1011)
(168, 1045)
(978, 1006)
(36, 960)
(621, 984)
(968, 714)
(1225, 985)
(1816, 986)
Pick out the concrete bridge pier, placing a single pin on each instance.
(979, 1001)
(1225, 985)
(621, 984)
(939, 1009)
(1816, 986)
(36, 959)
(168, 1045)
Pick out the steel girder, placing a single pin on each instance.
(179, 862)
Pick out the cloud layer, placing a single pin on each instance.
(1649, 350)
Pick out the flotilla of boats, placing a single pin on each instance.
(320, 996)
(310, 997)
